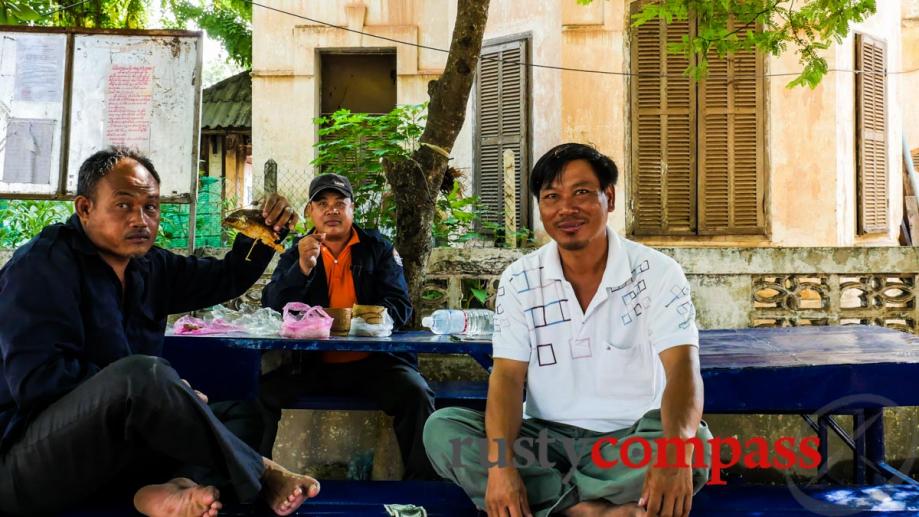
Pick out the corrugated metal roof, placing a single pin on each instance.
(228, 104)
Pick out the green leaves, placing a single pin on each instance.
(19, 12)
(475, 293)
(524, 237)
(354, 145)
(173, 231)
(104, 14)
(455, 217)
(769, 26)
(22, 220)
(227, 21)
(479, 294)
(430, 295)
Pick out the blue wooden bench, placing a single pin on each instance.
(471, 394)
(824, 370)
(808, 370)
(366, 498)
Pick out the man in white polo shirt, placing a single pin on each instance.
(600, 331)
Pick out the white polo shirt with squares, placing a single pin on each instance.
(597, 369)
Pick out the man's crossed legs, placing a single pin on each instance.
(131, 422)
(561, 476)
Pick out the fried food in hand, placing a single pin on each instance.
(249, 222)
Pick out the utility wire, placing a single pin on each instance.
(514, 62)
(535, 65)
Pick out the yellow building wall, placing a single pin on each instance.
(286, 66)
(810, 143)
(909, 82)
(885, 26)
(570, 106)
(593, 105)
(539, 23)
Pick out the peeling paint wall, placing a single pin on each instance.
(286, 70)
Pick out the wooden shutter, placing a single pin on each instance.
(731, 146)
(663, 134)
(501, 124)
(871, 120)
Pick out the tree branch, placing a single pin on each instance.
(450, 92)
(416, 180)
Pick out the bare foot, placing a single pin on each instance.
(179, 497)
(604, 509)
(285, 491)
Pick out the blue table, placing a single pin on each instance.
(857, 370)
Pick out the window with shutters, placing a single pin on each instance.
(697, 156)
(501, 123)
(871, 134)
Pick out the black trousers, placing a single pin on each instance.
(397, 387)
(134, 423)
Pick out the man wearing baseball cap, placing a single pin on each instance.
(338, 265)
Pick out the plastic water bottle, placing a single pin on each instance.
(453, 321)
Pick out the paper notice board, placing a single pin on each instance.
(140, 89)
(31, 111)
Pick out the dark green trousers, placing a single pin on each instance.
(561, 472)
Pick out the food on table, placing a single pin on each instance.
(372, 314)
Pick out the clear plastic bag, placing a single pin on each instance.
(189, 325)
(360, 327)
(256, 322)
(261, 322)
(301, 321)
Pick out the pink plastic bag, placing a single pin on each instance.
(189, 325)
(304, 322)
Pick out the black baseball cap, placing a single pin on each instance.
(331, 181)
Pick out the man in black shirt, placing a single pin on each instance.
(338, 265)
(87, 405)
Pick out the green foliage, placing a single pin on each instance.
(475, 293)
(767, 26)
(523, 237)
(354, 144)
(22, 220)
(173, 232)
(99, 14)
(480, 295)
(454, 216)
(19, 12)
(430, 295)
(228, 205)
(227, 21)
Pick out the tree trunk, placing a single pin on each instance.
(416, 180)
